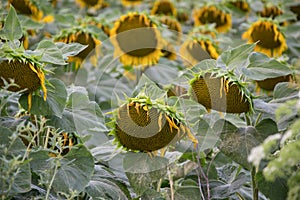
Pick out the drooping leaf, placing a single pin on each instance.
(285, 91)
(50, 53)
(235, 58)
(70, 49)
(54, 104)
(74, 170)
(262, 67)
(12, 29)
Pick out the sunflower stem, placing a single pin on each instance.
(171, 183)
(199, 177)
(254, 184)
(51, 182)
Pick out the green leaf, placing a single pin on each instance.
(238, 142)
(187, 193)
(80, 114)
(262, 67)
(285, 91)
(12, 29)
(294, 187)
(74, 170)
(50, 53)
(70, 49)
(142, 170)
(54, 104)
(105, 185)
(275, 190)
(15, 173)
(265, 128)
(235, 57)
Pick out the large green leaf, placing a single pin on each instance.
(15, 173)
(105, 185)
(74, 170)
(12, 29)
(238, 142)
(262, 67)
(50, 53)
(187, 193)
(54, 104)
(235, 58)
(265, 128)
(80, 114)
(285, 91)
(142, 170)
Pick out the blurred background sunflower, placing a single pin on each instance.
(136, 39)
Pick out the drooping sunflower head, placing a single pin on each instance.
(213, 15)
(196, 49)
(82, 36)
(27, 76)
(136, 39)
(163, 7)
(95, 4)
(27, 7)
(270, 83)
(295, 8)
(221, 92)
(270, 11)
(270, 40)
(145, 125)
(242, 5)
(131, 2)
(173, 25)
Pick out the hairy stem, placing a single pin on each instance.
(51, 182)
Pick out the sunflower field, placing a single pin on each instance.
(150, 100)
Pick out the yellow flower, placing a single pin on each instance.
(95, 4)
(173, 25)
(195, 50)
(85, 39)
(241, 5)
(136, 39)
(270, 40)
(131, 2)
(163, 7)
(26, 7)
(26, 75)
(212, 14)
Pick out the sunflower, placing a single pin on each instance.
(30, 8)
(145, 125)
(163, 7)
(131, 2)
(270, 83)
(196, 49)
(173, 25)
(168, 50)
(136, 39)
(241, 5)
(27, 75)
(270, 12)
(295, 8)
(83, 37)
(223, 93)
(270, 40)
(95, 4)
(212, 14)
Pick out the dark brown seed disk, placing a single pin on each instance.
(211, 93)
(146, 131)
(270, 83)
(85, 39)
(22, 75)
